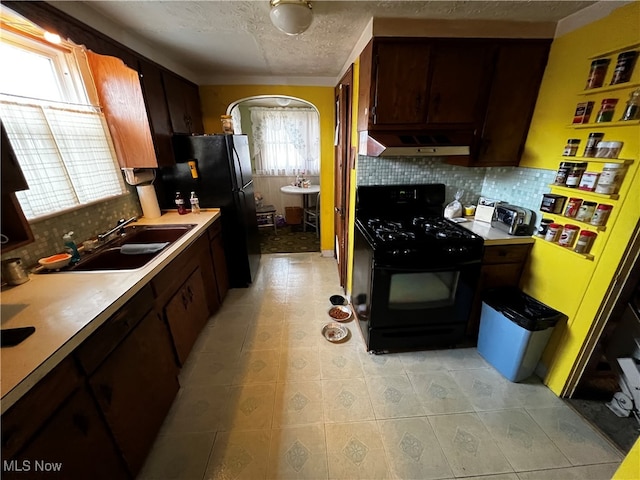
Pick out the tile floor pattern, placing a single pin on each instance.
(265, 396)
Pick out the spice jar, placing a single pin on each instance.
(632, 110)
(562, 173)
(588, 181)
(544, 226)
(572, 207)
(227, 123)
(601, 215)
(553, 232)
(624, 67)
(609, 149)
(568, 235)
(586, 210)
(597, 73)
(610, 178)
(571, 148)
(592, 142)
(575, 174)
(607, 107)
(585, 241)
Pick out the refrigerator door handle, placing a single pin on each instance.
(236, 158)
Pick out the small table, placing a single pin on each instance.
(305, 192)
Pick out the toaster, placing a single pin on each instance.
(512, 219)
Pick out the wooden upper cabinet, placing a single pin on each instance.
(514, 90)
(158, 112)
(460, 72)
(120, 95)
(401, 74)
(183, 100)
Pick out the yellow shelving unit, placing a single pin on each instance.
(586, 256)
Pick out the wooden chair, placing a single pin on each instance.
(311, 216)
(266, 215)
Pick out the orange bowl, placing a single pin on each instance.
(55, 261)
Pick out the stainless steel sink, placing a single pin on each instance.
(109, 257)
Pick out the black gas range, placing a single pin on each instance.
(415, 272)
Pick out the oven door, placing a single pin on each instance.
(404, 298)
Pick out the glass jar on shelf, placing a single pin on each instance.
(607, 109)
(632, 110)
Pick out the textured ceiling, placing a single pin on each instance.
(215, 39)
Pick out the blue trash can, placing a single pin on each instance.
(514, 330)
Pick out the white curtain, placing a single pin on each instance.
(286, 141)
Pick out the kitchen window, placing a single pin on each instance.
(286, 141)
(59, 134)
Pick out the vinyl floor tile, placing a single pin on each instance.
(299, 364)
(298, 404)
(587, 472)
(468, 445)
(355, 451)
(524, 444)
(250, 407)
(577, 440)
(298, 453)
(413, 449)
(241, 455)
(178, 456)
(393, 397)
(439, 393)
(346, 401)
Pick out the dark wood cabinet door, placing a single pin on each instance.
(400, 79)
(157, 111)
(73, 444)
(216, 247)
(135, 387)
(514, 90)
(459, 81)
(12, 177)
(187, 314)
(183, 100)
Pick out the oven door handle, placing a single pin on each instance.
(430, 268)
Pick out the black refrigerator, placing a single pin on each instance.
(218, 169)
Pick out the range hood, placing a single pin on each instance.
(422, 143)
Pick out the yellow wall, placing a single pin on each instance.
(563, 280)
(630, 467)
(216, 98)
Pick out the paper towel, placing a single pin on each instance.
(148, 201)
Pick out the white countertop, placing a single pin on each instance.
(493, 236)
(67, 307)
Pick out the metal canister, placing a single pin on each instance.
(13, 272)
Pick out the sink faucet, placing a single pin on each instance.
(118, 228)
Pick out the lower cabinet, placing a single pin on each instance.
(216, 248)
(502, 266)
(56, 431)
(187, 314)
(97, 413)
(135, 387)
(73, 444)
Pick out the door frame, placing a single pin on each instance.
(344, 158)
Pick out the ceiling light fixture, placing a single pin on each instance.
(291, 16)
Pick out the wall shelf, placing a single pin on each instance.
(586, 256)
(608, 53)
(609, 88)
(576, 191)
(625, 161)
(626, 123)
(587, 226)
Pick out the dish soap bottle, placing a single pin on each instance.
(71, 247)
(182, 210)
(195, 203)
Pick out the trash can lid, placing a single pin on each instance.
(521, 308)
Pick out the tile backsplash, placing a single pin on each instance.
(85, 222)
(410, 170)
(516, 185)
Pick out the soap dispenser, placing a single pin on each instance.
(71, 247)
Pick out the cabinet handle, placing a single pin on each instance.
(190, 293)
(185, 302)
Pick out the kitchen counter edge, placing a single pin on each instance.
(59, 323)
(494, 236)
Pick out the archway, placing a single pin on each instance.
(264, 118)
